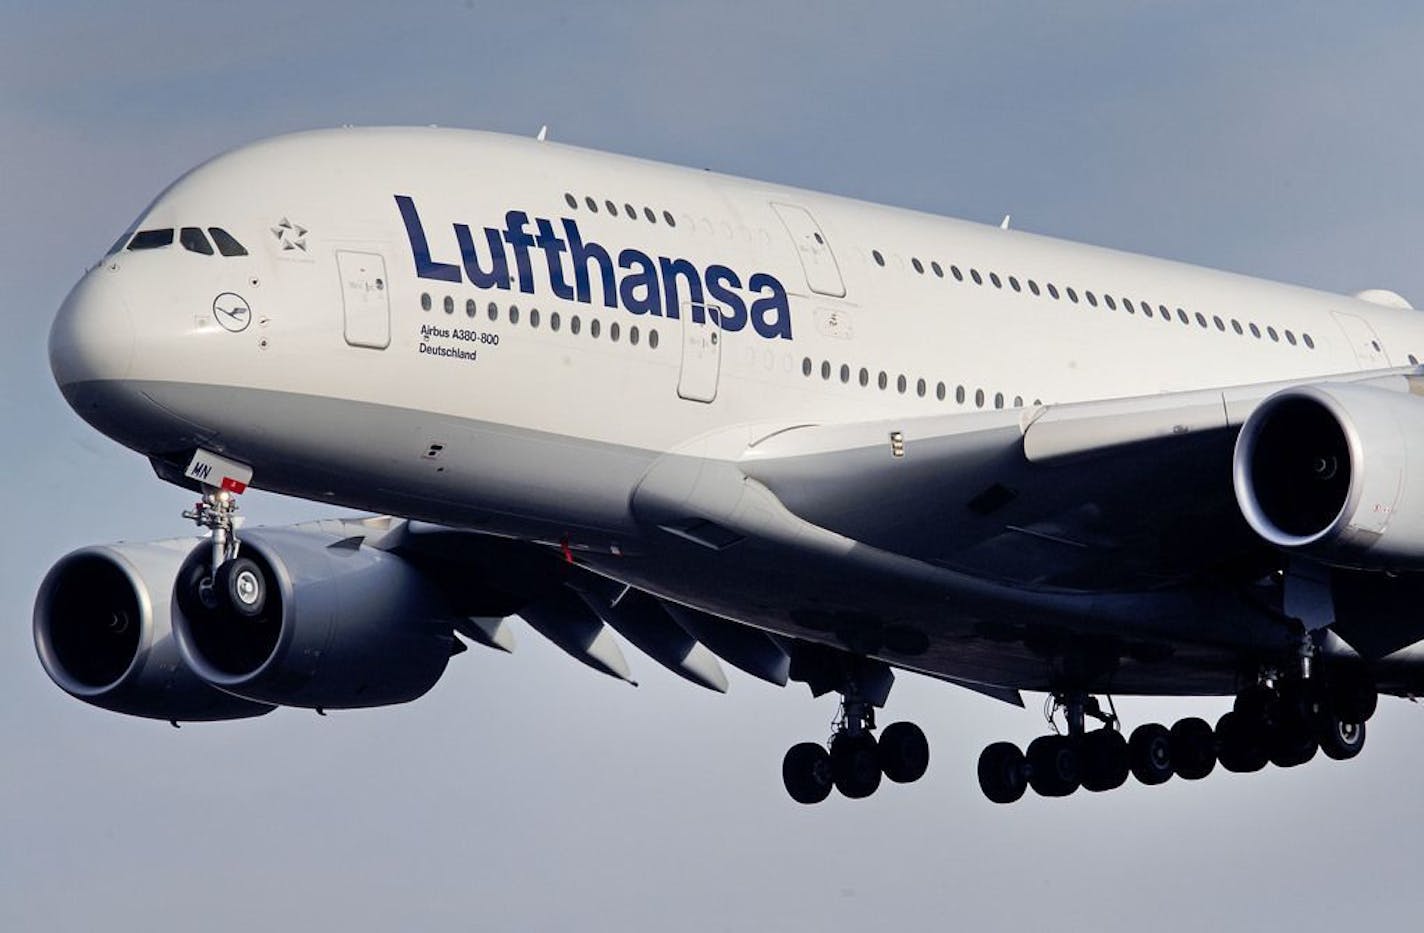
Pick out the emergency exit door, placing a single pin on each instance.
(365, 298)
(701, 355)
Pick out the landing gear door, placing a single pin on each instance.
(365, 298)
(701, 354)
(823, 276)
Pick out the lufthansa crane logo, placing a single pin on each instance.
(232, 312)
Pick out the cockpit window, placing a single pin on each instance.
(194, 242)
(152, 239)
(226, 244)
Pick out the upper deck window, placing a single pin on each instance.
(194, 242)
(152, 239)
(226, 244)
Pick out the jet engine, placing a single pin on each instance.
(341, 624)
(1336, 472)
(102, 626)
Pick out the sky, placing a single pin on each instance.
(525, 791)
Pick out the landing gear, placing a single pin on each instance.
(232, 585)
(1281, 721)
(855, 762)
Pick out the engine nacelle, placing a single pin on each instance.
(103, 630)
(345, 625)
(1335, 471)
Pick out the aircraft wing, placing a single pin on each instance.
(1119, 494)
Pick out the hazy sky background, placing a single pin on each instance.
(525, 791)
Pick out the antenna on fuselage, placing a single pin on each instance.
(1004, 224)
(543, 133)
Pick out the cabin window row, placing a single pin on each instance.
(592, 206)
(554, 321)
(902, 385)
(1162, 312)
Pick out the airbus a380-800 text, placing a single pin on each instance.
(817, 439)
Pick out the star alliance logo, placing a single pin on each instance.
(290, 235)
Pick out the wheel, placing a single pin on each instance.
(1193, 749)
(1104, 760)
(1149, 753)
(1353, 699)
(1240, 745)
(1338, 739)
(242, 587)
(1291, 740)
(1053, 766)
(806, 772)
(904, 752)
(855, 764)
(1003, 772)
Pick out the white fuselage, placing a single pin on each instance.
(431, 382)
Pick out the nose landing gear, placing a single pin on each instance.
(230, 584)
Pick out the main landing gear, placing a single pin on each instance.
(230, 584)
(854, 762)
(1284, 724)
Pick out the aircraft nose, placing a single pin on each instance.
(92, 338)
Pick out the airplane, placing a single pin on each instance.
(817, 439)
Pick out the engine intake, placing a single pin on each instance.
(102, 627)
(1324, 470)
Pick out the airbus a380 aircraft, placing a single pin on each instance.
(815, 438)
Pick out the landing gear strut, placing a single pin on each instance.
(233, 584)
(854, 762)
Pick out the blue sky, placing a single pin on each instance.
(526, 792)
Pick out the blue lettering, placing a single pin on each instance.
(721, 285)
(582, 253)
(420, 249)
(516, 236)
(639, 291)
(498, 274)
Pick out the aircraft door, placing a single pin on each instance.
(365, 298)
(1363, 340)
(823, 276)
(701, 356)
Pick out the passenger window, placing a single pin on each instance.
(1311, 343)
(919, 266)
(1072, 295)
(633, 331)
(994, 277)
(938, 269)
(954, 271)
(1052, 291)
(1127, 305)
(151, 239)
(592, 204)
(1014, 284)
(879, 259)
(571, 201)
(1091, 299)
(974, 274)
(194, 242)
(226, 243)
(651, 217)
(1108, 300)
(667, 219)
(1033, 286)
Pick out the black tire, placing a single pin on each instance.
(1340, 740)
(1193, 749)
(904, 752)
(855, 765)
(1353, 699)
(1291, 740)
(1104, 760)
(1053, 766)
(1149, 754)
(806, 772)
(1240, 744)
(242, 587)
(1003, 772)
